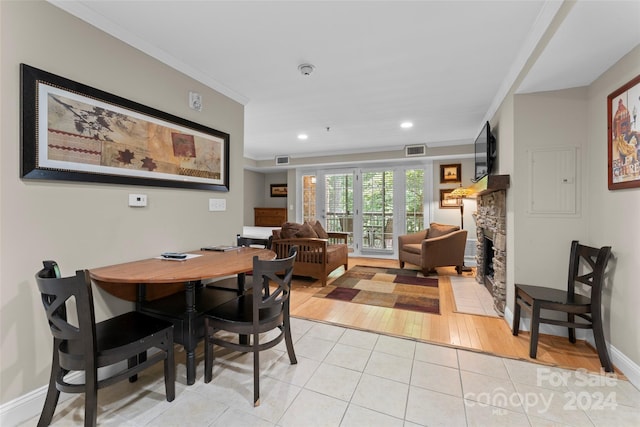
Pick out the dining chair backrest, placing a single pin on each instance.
(272, 281)
(56, 292)
(587, 266)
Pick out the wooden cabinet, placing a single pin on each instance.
(269, 217)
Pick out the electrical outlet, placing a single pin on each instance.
(217, 205)
(137, 200)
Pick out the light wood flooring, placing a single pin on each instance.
(480, 333)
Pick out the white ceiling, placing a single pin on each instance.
(444, 65)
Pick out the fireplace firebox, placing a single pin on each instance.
(487, 262)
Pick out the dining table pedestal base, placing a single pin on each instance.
(186, 311)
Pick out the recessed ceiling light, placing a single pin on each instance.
(303, 136)
(406, 125)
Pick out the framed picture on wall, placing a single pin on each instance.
(450, 173)
(448, 202)
(624, 136)
(278, 190)
(74, 132)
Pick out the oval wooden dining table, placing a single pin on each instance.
(173, 289)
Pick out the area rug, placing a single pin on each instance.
(470, 297)
(385, 287)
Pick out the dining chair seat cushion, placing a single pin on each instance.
(556, 296)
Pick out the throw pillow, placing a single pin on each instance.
(291, 230)
(306, 231)
(437, 230)
(317, 227)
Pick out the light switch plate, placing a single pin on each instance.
(217, 205)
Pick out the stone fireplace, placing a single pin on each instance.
(491, 230)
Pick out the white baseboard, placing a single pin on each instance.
(627, 366)
(30, 405)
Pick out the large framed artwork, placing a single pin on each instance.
(624, 136)
(74, 132)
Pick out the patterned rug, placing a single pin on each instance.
(385, 287)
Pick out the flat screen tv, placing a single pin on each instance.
(485, 153)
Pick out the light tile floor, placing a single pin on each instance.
(346, 377)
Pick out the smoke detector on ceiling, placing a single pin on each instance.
(306, 69)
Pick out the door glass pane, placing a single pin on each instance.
(309, 198)
(377, 210)
(339, 203)
(414, 200)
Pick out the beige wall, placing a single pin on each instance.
(273, 178)
(257, 187)
(89, 225)
(548, 120)
(253, 194)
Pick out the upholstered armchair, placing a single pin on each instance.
(438, 246)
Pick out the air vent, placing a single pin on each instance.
(415, 150)
(282, 160)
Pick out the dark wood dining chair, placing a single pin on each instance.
(586, 267)
(264, 308)
(88, 345)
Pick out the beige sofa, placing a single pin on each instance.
(438, 246)
(319, 252)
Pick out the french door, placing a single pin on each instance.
(373, 205)
(335, 203)
(377, 210)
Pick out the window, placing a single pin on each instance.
(414, 200)
(309, 198)
(377, 210)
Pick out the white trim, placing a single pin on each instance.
(30, 405)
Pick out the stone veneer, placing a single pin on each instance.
(491, 219)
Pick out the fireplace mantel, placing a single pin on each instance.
(491, 183)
